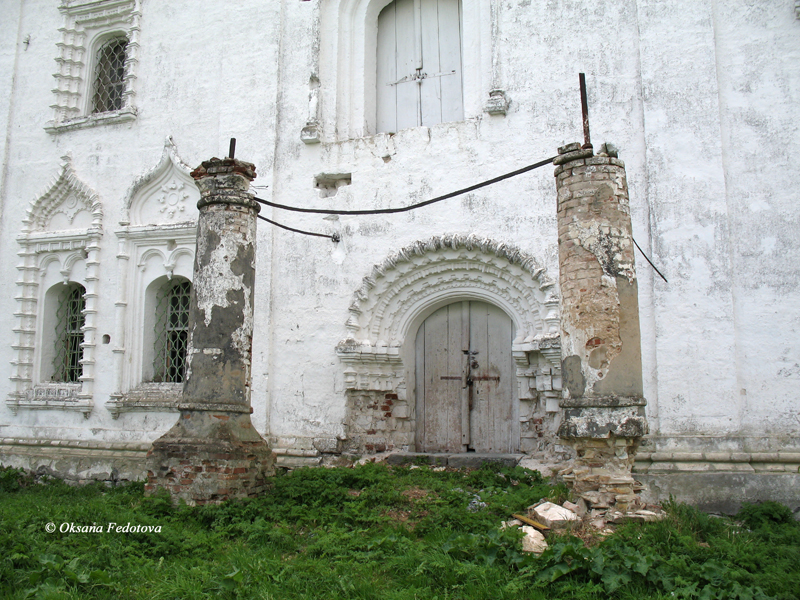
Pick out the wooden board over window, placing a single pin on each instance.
(419, 64)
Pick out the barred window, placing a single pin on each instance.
(70, 320)
(109, 76)
(172, 331)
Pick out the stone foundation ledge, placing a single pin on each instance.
(472, 460)
(296, 452)
(22, 444)
(77, 461)
(754, 462)
(721, 492)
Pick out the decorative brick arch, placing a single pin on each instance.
(429, 273)
(408, 286)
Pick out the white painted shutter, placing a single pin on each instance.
(419, 64)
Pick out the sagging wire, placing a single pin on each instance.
(335, 237)
(386, 211)
(382, 211)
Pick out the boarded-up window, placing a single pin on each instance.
(419, 64)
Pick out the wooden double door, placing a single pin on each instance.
(465, 380)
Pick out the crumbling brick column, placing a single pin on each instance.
(603, 404)
(213, 452)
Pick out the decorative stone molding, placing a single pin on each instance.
(77, 461)
(408, 286)
(166, 194)
(64, 396)
(497, 104)
(378, 371)
(86, 26)
(311, 133)
(747, 462)
(162, 397)
(63, 226)
(156, 240)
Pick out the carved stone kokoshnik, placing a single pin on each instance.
(213, 452)
(603, 404)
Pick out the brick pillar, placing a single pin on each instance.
(213, 452)
(603, 404)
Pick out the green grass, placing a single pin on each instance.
(376, 532)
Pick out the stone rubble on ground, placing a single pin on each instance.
(552, 515)
(556, 517)
(475, 504)
(533, 541)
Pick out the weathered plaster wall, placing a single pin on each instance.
(702, 103)
(718, 148)
(186, 93)
(759, 101)
(310, 277)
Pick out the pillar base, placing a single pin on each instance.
(601, 472)
(209, 457)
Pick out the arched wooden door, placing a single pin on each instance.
(465, 381)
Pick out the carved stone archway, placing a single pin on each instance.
(406, 288)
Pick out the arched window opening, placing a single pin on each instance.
(172, 331)
(109, 76)
(70, 320)
(419, 73)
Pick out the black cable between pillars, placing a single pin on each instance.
(649, 261)
(335, 237)
(383, 211)
(386, 211)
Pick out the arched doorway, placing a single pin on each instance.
(465, 381)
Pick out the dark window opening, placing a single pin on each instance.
(172, 331)
(70, 319)
(109, 77)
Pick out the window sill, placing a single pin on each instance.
(109, 118)
(147, 397)
(53, 396)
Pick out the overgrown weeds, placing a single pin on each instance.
(375, 532)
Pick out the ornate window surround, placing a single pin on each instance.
(408, 286)
(157, 238)
(70, 249)
(87, 26)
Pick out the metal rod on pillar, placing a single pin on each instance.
(587, 142)
(232, 148)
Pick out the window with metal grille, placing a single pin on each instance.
(70, 319)
(172, 331)
(109, 76)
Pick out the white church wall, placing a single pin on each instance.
(701, 103)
